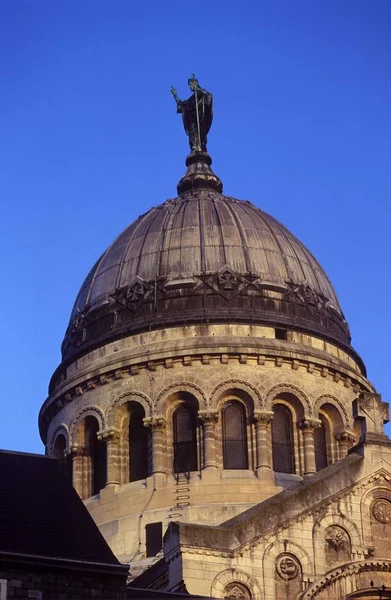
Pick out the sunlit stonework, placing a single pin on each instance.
(211, 409)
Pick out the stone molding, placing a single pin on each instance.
(180, 386)
(94, 411)
(61, 429)
(230, 576)
(287, 388)
(52, 406)
(330, 399)
(139, 397)
(232, 384)
(344, 571)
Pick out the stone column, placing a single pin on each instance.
(159, 448)
(308, 427)
(77, 454)
(111, 439)
(209, 419)
(345, 440)
(262, 420)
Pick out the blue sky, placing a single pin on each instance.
(89, 139)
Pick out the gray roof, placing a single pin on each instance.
(203, 257)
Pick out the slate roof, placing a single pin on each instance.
(41, 514)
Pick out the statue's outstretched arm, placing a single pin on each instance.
(178, 102)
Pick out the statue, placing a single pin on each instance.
(197, 114)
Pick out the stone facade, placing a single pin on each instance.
(326, 538)
(209, 392)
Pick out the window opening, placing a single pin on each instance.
(235, 455)
(185, 440)
(282, 440)
(153, 538)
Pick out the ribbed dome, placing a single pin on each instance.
(203, 257)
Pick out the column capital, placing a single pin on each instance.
(263, 417)
(157, 423)
(309, 424)
(208, 416)
(75, 450)
(345, 436)
(109, 435)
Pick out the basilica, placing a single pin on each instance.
(211, 410)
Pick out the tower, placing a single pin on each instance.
(208, 377)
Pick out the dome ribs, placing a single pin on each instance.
(203, 257)
(240, 229)
(215, 203)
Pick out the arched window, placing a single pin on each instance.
(96, 453)
(138, 444)
(320, 445)
(59, 447)
(235, 454)
(185, 440)
(58, 451)
(282, 440)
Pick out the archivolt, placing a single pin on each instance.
(235, 384)
(282, 547)
(329, 399)
(288, 388)
(60, 430)
(347, 572)
(139, 397)
(93, 411)
(190, 388)
(229, 576)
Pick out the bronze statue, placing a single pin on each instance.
(197, 114)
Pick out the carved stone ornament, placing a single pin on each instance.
(337, 538)
(108, 435)
(236, 590)
(155, 423)
(208, 416)
(263, 417)
(308, 424)
(227, 280)
(287, 567)
(381, 510)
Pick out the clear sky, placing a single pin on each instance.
(89, 139)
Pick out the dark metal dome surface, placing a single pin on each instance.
(203, 257)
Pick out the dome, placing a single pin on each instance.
(203, 257)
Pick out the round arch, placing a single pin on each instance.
(329, 399)
(87, 411)
(221, 581)
(287, 547)
(319, 532)
(349, 580)
(177, 388)
(235, 386)
(59, 430)
(138, 397)
(286, 388)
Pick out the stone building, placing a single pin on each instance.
(209, 393)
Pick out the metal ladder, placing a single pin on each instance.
(181, 495)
